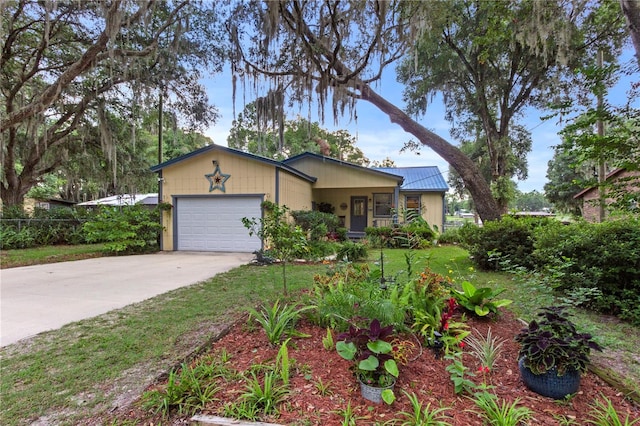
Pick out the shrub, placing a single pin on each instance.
(43, 227)
(316, 223)
(125, 229)
(415, 235)
(450, 236)
(508, 241)
(604, 256)
(353, 252)
(353, 291)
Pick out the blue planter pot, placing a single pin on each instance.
(550, 384)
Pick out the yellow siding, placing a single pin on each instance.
(332, 175)
(336, 184)
(247, 176)
(295, 192)
(430, 207)
(338, 197)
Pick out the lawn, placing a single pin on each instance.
(49, 254)
(85, 368)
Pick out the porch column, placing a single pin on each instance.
(444, 211)
(396, 202)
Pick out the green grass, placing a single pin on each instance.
(75, 367)
(49, 254)
(69, 367)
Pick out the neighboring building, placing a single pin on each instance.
(622, 181)
(213, 188)
(150, 199)
(46, 203)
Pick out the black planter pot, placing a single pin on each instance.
(550, 384)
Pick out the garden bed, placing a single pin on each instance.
(323, 389)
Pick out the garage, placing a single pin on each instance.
(214, 223)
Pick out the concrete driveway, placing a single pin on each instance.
(39, 298)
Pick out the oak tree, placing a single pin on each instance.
(70, 67)
(335, 52)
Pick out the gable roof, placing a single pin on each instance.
(418, 179)
(322, 158)
(423, 179)
(609, 176)
(248, 155)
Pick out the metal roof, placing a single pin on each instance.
(425, 179)
(124, 200)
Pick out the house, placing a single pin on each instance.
(46, 203)
(213, 188)
(620, 183)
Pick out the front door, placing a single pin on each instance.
(358, 214)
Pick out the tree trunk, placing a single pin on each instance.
(486, 206)
(13, 194)
(631, 10)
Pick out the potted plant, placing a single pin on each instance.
(374, 365)
(553, 354)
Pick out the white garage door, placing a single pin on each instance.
(214, 224)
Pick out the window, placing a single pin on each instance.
(413, 202)
(382, 204)
(412, 207)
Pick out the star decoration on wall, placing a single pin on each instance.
(217, 178)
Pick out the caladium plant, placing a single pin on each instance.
(371, 353)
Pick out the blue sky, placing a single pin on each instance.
(378, 138)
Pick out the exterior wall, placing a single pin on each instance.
(430, 202)
(590, 208)
(340, 199)
(590, 199)
(334, 175)
(187, 177)
(431, 207)
(246, 176)
(295, 193)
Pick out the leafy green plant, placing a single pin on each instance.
(277, 321)
(266, 395)
(241, 410)
(284, 239)
(511, 236)
(126, 229)
(349, 417)
(595, 255)
(352, 251)
(353, 291)
(605, 414)
(327, 340)
(421, 415)
(372, 355)
(485, 348)
(323, 388)
(554, 342)
(316, 222)
(457, 371)
(187, 391)
(283, 365)
(479, 300)
(501, 414)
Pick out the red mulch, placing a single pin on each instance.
(425, 376)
